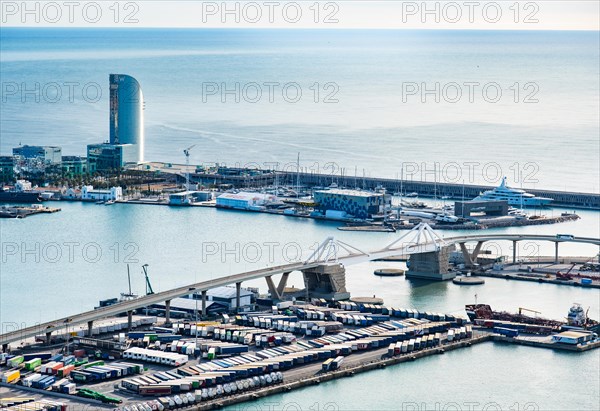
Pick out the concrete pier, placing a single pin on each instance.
(326, 281)
(431, 266)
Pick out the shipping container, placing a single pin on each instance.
(508, 332)
(65, 370)
(155, 390)
(41, 356)
(11, 377)
(33, 364)
(15, 361)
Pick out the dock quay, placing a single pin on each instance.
(572, 271)
(522, 277)
(540, 342)
(25, 211)
(472, 224)
(311, 376)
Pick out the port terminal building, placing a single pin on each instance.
(358, 204)
(245, 200)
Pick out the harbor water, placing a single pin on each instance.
(83, 250)
(179, 245)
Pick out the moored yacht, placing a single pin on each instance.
(514, 196)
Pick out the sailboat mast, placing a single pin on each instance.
(298, 177)
(401, 181)
(434, 183)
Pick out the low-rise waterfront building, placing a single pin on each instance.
(188, 197)
(358, 204)
(89, 193)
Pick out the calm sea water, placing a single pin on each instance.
(379, 122)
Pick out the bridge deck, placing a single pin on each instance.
(405, 248)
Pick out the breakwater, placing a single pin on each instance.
(423, 188)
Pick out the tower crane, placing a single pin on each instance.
(149, 289)
(187, 166)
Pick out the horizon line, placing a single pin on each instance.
(293, 28)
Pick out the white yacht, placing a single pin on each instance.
(514, 196)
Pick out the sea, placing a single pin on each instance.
(366, 108)
(452, 106)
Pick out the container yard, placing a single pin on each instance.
(212, 363)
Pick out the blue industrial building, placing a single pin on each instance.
(355, 203)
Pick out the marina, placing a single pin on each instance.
(334, 204)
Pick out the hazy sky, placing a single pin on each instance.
(444, 14)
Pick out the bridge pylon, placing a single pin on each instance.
(330, 250)
(429, 253)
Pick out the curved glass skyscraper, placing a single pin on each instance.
(127, 113)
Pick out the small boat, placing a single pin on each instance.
(100, 202)
(517, 213)
(109, 202)
(413, 194)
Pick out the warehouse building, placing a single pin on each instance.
(227, 296)
(188, 308)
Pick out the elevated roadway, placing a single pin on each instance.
(420, 240)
